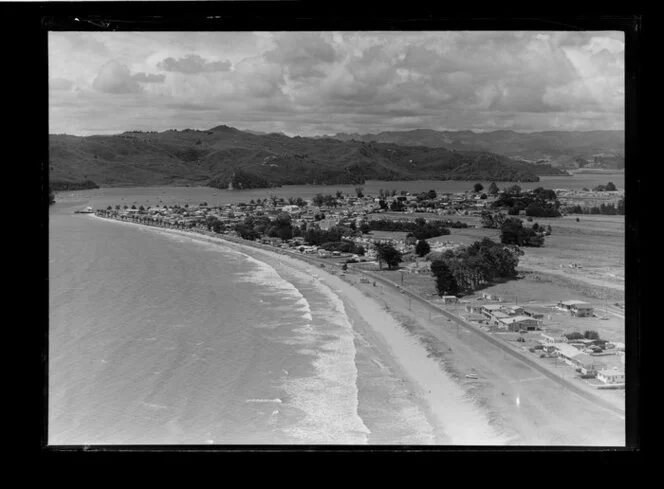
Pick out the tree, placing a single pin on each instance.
(365, 228)
(591, 335)
(396, 206)
(493, 188)
(388, 254)
(514, 190)
(610, 187)
(422, 248)
(432, 194)
(359, 191)
(478, 187)
(446, 283)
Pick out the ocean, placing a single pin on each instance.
(163, 339)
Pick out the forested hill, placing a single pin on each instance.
(561, 149)
(224, 155)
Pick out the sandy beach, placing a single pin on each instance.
(508, 402)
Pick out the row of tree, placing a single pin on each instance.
(609, 187)
(467, 269)
(420, 228)
(539, 202)
(605, 209)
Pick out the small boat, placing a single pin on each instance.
(87, 210)
(472, 376)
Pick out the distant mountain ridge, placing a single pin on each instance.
(228, 157)
(561, 149)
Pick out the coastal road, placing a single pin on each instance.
(500, 344)
(467, 327)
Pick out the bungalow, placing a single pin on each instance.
(497, 319)
(572, 356)
(611, 376)
(450, 299)
(533, 314)
(577, 308)
(521, 323)
(513, 310)
(474, 308)
(490, 309)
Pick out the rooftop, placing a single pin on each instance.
(573, 303)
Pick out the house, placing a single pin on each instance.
(497, 319)
(326, 224)
(611, 376)
(532, 314)
(513, 310)
(572, 356)
(521, 323)
(490, 309)
(567, 352)
(553, 338)
(450, 299)
(577, 308)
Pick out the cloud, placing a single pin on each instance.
(350, 81)
(60, 84)
(148, 77)
(115, 78)
(193, 63)
(302, 54)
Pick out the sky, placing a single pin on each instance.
(315, 83)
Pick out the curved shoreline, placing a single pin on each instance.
(535, 423)
(455, 418)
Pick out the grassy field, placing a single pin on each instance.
(594, 244)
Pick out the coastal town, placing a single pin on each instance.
(410, 233)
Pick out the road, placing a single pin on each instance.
(500, 344)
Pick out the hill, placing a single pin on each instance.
(561, 149)
(224, 155)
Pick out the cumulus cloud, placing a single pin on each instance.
(148, 77)
(60, 84)
(115, 78)
(193, 63)
(354, 81)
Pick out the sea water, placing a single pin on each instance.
(158, 338)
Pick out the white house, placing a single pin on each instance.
(553, 338)
(611, 376)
